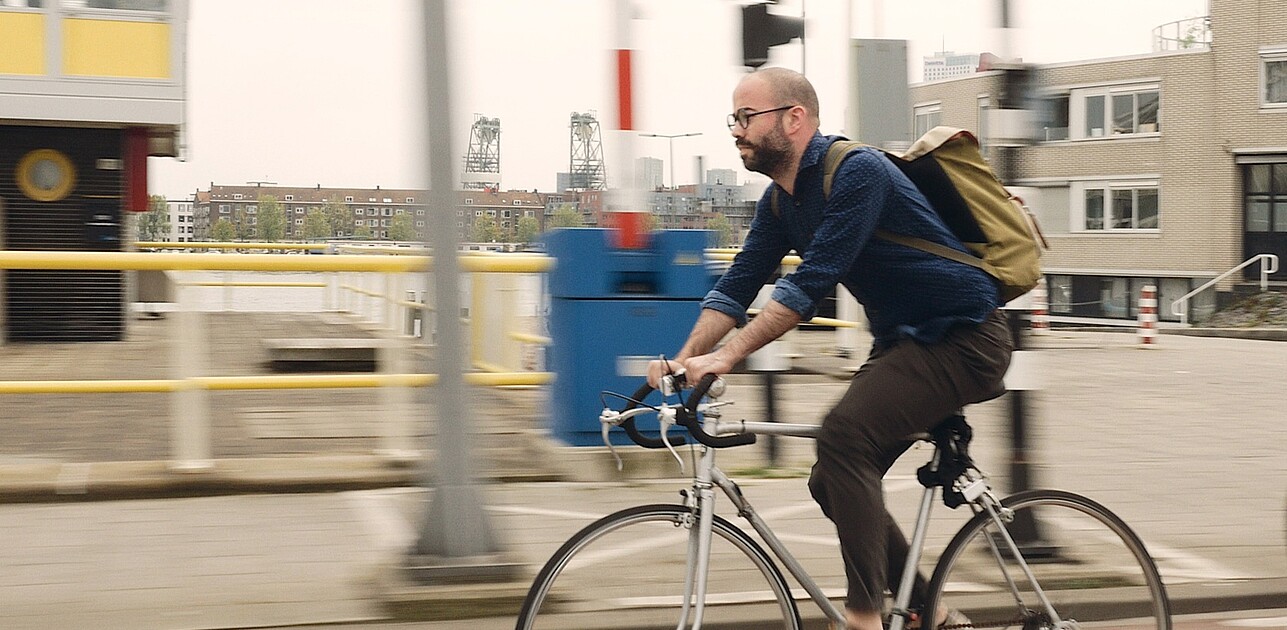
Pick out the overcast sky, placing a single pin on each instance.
(330, 92)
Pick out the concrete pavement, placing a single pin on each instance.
(1184, 440)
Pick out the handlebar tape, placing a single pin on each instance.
(633, 432)
(687, 417)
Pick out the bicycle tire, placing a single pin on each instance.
(632, 562)
(1089, 562)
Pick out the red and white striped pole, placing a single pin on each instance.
(1148, 315)
(626, 217)
(1040, 309)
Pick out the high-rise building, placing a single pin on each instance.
(947, 64)
(721, 176)
(648, 173)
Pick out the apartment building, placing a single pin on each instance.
(179, 214)
(1165, 169)
(365, 213)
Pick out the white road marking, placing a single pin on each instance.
(1262, 622)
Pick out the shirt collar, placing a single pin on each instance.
(816, 150)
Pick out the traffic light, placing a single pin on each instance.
(762, 30)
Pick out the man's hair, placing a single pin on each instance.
(791, 88)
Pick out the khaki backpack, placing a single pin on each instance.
(948, 168)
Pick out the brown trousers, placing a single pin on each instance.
(901, 390)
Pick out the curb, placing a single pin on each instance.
(1261, 334)
(45, 482)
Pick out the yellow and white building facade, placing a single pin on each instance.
(89, 89)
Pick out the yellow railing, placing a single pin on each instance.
(190, 410)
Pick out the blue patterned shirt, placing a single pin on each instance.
(904, 291)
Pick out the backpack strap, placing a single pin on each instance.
(936, 249)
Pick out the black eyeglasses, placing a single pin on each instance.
(743, 116)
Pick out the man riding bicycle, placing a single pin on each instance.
(940, 342)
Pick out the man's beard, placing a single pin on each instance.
(770, 156)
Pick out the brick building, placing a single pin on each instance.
(1168, 168)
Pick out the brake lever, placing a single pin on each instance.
(605, 425)
(666, 418)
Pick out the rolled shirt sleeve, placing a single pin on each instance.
(717, 301)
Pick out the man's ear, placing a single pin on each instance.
(796, 119)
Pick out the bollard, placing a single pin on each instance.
(769, 361)
(1040, 324)
(1148, 316)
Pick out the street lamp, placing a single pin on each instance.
(671, 139)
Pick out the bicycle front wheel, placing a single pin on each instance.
(634, 564)
(1091, 567)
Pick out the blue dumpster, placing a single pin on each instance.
(612, 310)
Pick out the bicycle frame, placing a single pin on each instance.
(707, 476)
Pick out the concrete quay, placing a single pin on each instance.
(1184, 440)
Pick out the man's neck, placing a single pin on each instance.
(786, 179)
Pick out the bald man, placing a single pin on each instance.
(939, 341)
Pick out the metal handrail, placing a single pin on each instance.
(1268, 266)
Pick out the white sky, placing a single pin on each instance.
(330, 92)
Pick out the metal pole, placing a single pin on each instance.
(671, 138)
(456, 540)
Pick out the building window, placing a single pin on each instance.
(1275, 75)
(236, 196)
(349, 199)
(1266, 197)
(469, 202)
(290, 198)
(1055, 118)
(1116, 111)
(411, 199)
(1120, 206)
(926, 117)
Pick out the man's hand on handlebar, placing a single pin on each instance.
(657, 369)
(694, 368)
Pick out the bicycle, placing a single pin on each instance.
(1083, 567)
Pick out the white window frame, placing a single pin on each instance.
(1077, 199)
(349, 199)
(1267, 56)
(926, 115)
(290, 198)
(1078, 108)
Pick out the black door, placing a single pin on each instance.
(1265, 216)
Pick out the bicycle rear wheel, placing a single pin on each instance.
(632, 565)
(1091, 566)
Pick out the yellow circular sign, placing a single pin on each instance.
(46, 175)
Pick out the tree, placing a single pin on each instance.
(154, 225)
(723, 230)
(565, 215)
(337, 216)
(223, 231)
(244, 224)
(361, 231)
(315, 225)
(528, 229)
(272, 219)
(402, 228)
(486, 230)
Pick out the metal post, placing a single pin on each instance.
(1025, 529)
(456, 541)
(189, 404)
